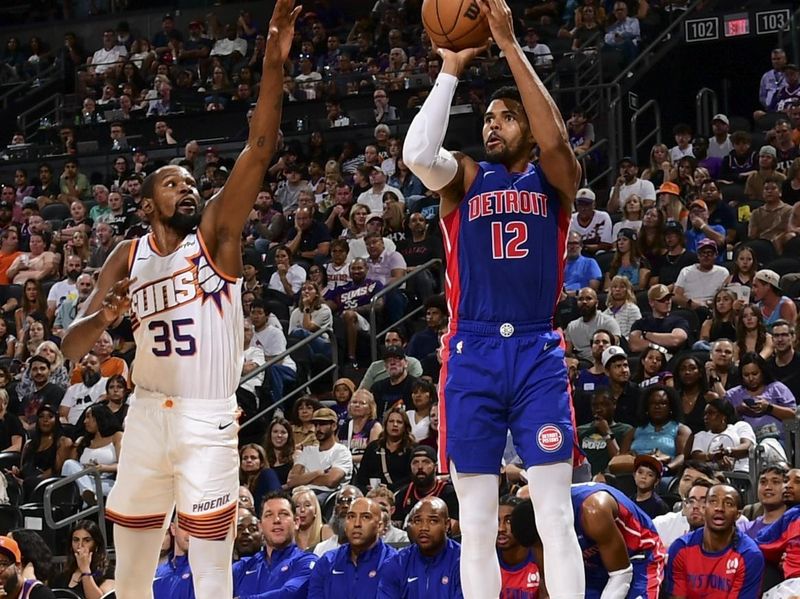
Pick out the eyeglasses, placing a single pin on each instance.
(693, 501)
(4, 565)
(344, 500)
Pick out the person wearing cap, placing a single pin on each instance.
(767, 169)
(660, 328)
(701, 229)
(373, 197)
(789, 92)
(670, 203)
(377, 369)
(578, 335)
(424, 483)
(770, 222)
(697, 284)
(770, 299)
(647, 472)
(429, 567)
(594, 226)
(12, 581)
(624, 393)
(396, 388)
(373, 224)
(668, 266)
(326, 466)
(719, 144)
(195, 50)
(627, 184)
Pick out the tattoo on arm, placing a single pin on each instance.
(260, 142)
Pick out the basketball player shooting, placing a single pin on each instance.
(182, 283)
(505, 225)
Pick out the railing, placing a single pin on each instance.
(82, 514)
(637, 143)
(51, 108)
(706, 106)
(584, 156)
(334, 367)
(373, 305)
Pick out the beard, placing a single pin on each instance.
(337, 526)
(90, 377)
(184, 223)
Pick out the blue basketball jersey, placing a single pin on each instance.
(506, 245)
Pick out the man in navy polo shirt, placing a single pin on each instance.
(354, 570)
(282, 570)
(173, 579)
(430, 567)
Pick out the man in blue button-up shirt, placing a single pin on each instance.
(429, 567)
(282, 569)
(353, 570)
(173, 580)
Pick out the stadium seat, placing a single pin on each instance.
(763, 249)
(784, 265)
(9, 459)
(604, 261)
(739, 123)
(55, 211)
(10, 518)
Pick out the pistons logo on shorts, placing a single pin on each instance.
(549, 438)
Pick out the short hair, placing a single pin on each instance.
(782, 322)
(607, 332)
(279, 495)
(701, 482)
(380, 491)
(511, 500)
(703, 467)
(774, 469)
(399, 332)
(259, 303)
(681, 128)
(508, 92)
(340, 244)
(740, 137)
(373, 235)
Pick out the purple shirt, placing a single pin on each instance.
(766, 424)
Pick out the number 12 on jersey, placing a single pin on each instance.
(508, 238)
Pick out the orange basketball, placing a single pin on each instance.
(455, 24)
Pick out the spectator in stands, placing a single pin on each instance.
(579, 129)
(725, 442)
(36, 332)
(195, 49)
(701, 229)
(81, 395)
(106, 242)
(670, 203)
(386, 460)
(384, 111)
(592, 378)
(751, 333)
(624, 393)
(74, 185)
(107, 60)
(362, 426)
(9, 252)
(87, 556)
(33, 302)
(309, 240)
(282, 568)
(68, 310)
(772, 80)
(45, 451)
(688, 568)
(7, 340)
(627, 262)
(621, 303)
(364, 553)
(628, 183)
(674, 525)
(310, 315)
(303, 429)
(770, 221)
(719, 213)
(767, 164)
(373, 197)
(423, 394)
(647, 473)
(659, 168)
(784, 365)
(579, 271)
(741, 161)
(589, 22)
(273, 343)
(173, 578)
(602, 438)
(279, 448)
(116, 398)
(17, 582)
(425, 342)
(11, 431)
(289, 190)
(109, 365)
(771, 505)
(662, 329)
(288, 276)
(623, 35)
(721, 322)
(165, 104)
(594, 226)
(579, 332)
(395, 389)
(708, 167)
(653, 368)
(770, 299)
(631, 215)
(231, 49)
(256, 474)
(162, 137)
(310, 531)
(697, 284)
(786, 149)
(37, 559)
(377, 370)
(719, 144)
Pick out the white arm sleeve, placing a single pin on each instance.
(422, 150)
(618, 584)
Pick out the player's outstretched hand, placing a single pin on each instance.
(501, 21)
(281, 30)
(117, 300)
(454, 63)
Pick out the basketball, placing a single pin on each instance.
(455, 24)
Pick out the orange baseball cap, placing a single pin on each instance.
(9, 547)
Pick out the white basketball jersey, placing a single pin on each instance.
(187, 321)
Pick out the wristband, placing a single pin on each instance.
(85, 574)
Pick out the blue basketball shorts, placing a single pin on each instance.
(503, 377)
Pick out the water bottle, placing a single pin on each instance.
(300, 125)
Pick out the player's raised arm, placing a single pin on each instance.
(227, 212)
(437, 168)
(556, 157)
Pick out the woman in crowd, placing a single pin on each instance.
(722, 323)
(632, 213)
(11, 432)
(279, 448)
(98, 447)
(690, 382)
(358, 222)
(432, 440)
(588, 28)
(387, 460)
(116, 398)
(34, 301)
(653, 369)
(627, 262)
(288, 277)
(46, 451)
(8, 342)
(761, 401)
(363, 427)
(120, 171)
(311, 315)
(701, 175)
(751, 334)
(255, 473)
(725, 442)
(660, 432)
(683, 176)
(88, 572)
(745, 266)
(651, 236)
(317, 274)
(35, 333)
(309, 515)
(393, 218)
(79, 246)
(423, 394)
(302, 428)
(37, 559)
(58, 371)
(389, 164)
(621, 303)
(660, 168)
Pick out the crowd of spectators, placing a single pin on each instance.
(678, 309)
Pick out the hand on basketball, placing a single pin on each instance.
(454, 63)
(501, 21)
(281, 30)
(117, 301)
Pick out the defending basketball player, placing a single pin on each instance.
(505, 225)
(182, 283)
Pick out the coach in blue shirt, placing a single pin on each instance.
(282, 569)
(173, 580)
(353, 570)
(429, 567)
(579, 271)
